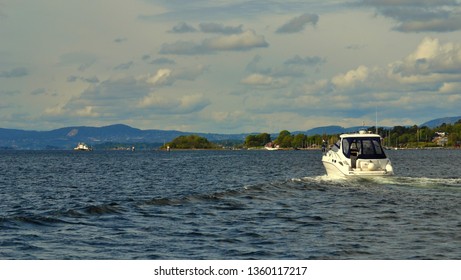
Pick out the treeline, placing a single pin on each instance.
(284, 140)
(447, 135)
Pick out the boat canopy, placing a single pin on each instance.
(364, 147)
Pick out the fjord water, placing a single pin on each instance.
(225, 205)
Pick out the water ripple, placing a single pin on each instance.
(223, 205)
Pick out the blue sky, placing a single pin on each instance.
(228, 66)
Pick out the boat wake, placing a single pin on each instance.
(421, 182)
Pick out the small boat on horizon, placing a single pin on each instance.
(82, 147)
(271, 146)
(358, 154)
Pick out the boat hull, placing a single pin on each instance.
(334, 171)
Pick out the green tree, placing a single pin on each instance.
(299, 141)
(284, 140)
(257, 140)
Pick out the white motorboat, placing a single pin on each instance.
(271, 147)
(358, 154)
(82, 147)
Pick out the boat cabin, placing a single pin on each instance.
(356, 147)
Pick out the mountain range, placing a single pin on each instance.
(68, 137)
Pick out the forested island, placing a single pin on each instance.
(190, 142)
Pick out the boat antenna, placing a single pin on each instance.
(376, 127)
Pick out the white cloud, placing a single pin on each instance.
(237, 42)
(155, 101)
(187, 104)
(161, 77)
(431, 61)
(451, 88)
(57, 110)
(87, 111)
(351, 78)
(257, 79)
(167, 76)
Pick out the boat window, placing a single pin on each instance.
(335, 147)
(378, 148)
(367, 148)
(346, 147)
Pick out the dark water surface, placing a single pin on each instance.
(225, 205)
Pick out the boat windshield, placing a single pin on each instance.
(365, 147)
(336, 146)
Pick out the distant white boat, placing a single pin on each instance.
(82, 147)
(271, 147)
(359, 154)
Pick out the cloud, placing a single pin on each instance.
(124, 66)
(308, 60)
(14, 73)
(183, 28)
(167, 76)
(355, 47)
(160, 78)
(244, 41)
(189, 73)
(87, 111)
(351, 78)
(431, 58)
(232, 10)
(451, 88)
(426, 80)
(106, 101)
(294, 67)
(163, 61)
(82, 59)
(298, 24)
(120, 40)
(173, 105)
(39, 91)
(183, 48)
(91, 80)
(130, 97)
(257, 79)
(420, 16)
(219, 28)
(9, 92)
(237, 42)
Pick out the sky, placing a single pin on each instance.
(228, 66)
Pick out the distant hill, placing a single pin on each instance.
(332, 129)
(66, 138)
(439, 122)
